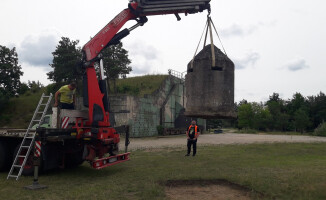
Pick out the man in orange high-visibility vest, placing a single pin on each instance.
(192, 135)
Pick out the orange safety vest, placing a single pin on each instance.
(196, 128)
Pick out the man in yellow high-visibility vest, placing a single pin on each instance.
(192, 135)
(67, 96)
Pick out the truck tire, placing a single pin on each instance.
(28, 168)
(5, 160)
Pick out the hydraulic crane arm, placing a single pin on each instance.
(95, 93)
(104, 36)
(138, 10)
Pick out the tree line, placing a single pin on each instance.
(66, 64)
(300, 114)
(65, 68)
(10, 72)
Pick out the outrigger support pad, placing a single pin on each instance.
(35, 185)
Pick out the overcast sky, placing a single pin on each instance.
(276, 45)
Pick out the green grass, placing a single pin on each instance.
(278, 171)
(285, 133)
(253, 131)
(139, 85)
(19, 111)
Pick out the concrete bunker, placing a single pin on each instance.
(210, 89)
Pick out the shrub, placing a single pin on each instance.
(321, 130)
(53, 88)
(5, 118)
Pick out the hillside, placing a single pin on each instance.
(139, 85)
(19, 111)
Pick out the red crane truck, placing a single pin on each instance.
(90, 138)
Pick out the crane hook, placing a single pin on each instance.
(209, 12)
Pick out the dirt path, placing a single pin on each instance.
(210, 192)
(227, 138)
(205, 189)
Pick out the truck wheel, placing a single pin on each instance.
(4, 156)
(28, 168)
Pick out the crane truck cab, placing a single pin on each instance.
(46, 122)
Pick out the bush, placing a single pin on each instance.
(53, 88)
(3, 100)
(320, 130)
(5, 119)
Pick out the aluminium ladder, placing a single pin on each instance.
(28, 141)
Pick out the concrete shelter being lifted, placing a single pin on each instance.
(210, 89)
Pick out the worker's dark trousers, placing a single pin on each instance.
(69, 106)
(194, 143)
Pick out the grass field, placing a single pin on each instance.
(277, 171)
(252, 131)
(139, 85)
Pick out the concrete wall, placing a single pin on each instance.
(139, 113)
(165, 107)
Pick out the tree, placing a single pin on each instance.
(23, 88)
(34, 86)
(298, 111)
(262, 117)
(10, 71)
(64, 63)
(317, 109)
(279, 117)
(116, 62)
(245, 116)
(301, 120)
(298, 101)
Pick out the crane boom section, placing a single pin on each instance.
(105, 35)
(139, 9)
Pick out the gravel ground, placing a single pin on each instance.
(211, 139)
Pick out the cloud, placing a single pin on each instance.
(296, 64)
(144, 68)
(249, 59)
(142, 49)
(37, 50)
(32, 73)
(140, 65)
(236, 30)
(144, 57)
